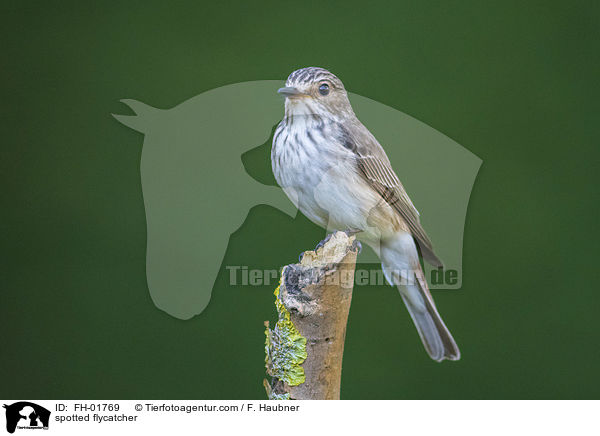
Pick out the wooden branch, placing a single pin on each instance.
(304, 351)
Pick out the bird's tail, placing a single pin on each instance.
(401, 268)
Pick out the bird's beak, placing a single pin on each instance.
(290, 91)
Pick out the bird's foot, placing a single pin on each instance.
(352, 232)
(324, 241)
(348, 232)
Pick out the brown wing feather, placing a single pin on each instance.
(382, 178)
(374, 165)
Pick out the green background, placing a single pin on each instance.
(515, 83)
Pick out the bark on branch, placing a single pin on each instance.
(305, 348)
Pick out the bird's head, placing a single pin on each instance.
(315, 91)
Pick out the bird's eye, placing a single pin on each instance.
(324, 89)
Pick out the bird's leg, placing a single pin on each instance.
(353, 232)
(349, 232)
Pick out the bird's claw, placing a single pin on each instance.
(352, 232)
(324, 241)
(348, 232)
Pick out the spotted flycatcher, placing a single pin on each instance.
(334, 170)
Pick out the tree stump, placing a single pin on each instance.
(305, 348)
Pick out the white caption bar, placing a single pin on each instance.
(153, 417)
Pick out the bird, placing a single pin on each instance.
(338, 175)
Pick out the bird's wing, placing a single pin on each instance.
(374, 165)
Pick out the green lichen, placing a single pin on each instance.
(285, 350)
